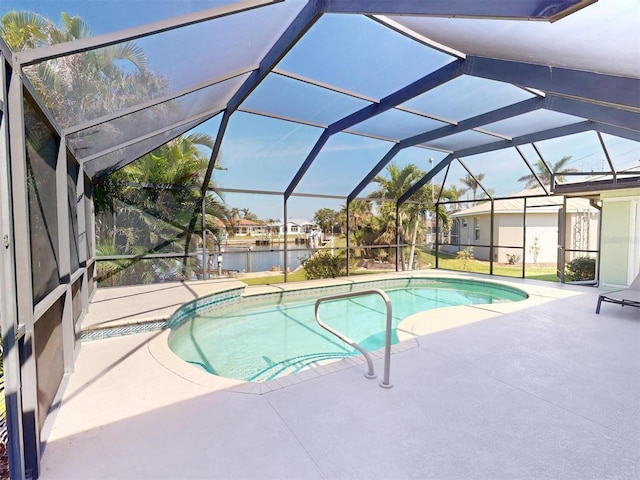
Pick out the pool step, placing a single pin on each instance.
(296, 364)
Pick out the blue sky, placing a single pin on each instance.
(352, 53)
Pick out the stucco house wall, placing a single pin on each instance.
(508, 232)
(620, 244)
(541, 228)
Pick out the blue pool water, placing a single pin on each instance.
(262, 337)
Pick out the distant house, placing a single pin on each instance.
(243, 226)
(472, 227)
(295, 226)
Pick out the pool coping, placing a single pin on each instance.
(409, 330)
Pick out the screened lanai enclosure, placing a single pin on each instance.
(169, 141)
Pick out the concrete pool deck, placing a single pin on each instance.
(541, 389)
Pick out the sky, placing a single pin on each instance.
(350, 52)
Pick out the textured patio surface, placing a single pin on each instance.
(549, 391)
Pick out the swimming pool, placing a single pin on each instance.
(261, 337)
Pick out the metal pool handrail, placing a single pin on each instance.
(387, 347)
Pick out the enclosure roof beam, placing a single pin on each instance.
(529, 138)
(40, 54)
(326, 86)
(543, 160)
(5, 51)
(313, 124)
(33, 97)
(427, 178)
(426, 83)
(622, 132)
(606, 154)
(429, 82)
(374, 171)
(203, 116)
(546, 10)
(412, 34)
(475, 179)
(600, 87)
(503, 113)
(157, 101)
(534, 137)
(352, 94)
(619, 117)
(284, 118)
(187, 125)
(468, 124)
(531, 169)
(305, 19)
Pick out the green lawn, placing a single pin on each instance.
(451, 262)
(269, 279)
(446, 262)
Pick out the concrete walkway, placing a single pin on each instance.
(117, 306)
(549, 391)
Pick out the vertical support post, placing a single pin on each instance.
(398, 236)
(387, 342)
(562, 229)
(437, 244)
(348, 240)
(9, 294)
(82, 247)
(24, 287)
(286, 240)
(491, 242)
(64, 256)
(599, 242)
(205, 262)
(91, 233)
(524, 236)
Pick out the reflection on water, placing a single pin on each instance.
(262, 258)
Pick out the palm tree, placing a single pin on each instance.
(453, 194)
(472, 183)
(159, 216)
(234, 217)
(85, 85)
(359, 214)
(24, 30)
(544, 175)
(393, 187)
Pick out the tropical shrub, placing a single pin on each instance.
(513, 259)
(581, 268)
(324, 265)
(464, 255)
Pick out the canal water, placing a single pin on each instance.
(262, 258)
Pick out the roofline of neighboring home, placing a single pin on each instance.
(244, 221)
(598, 185)
(531, 209)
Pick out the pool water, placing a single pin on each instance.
(260, 340)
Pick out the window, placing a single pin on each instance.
(476, 223)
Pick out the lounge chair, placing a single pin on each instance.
(630, 296)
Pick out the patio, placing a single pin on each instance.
(548, 391)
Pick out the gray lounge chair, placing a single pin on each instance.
(630, 296)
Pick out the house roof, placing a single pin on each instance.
(535, 205)
(248, 223)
